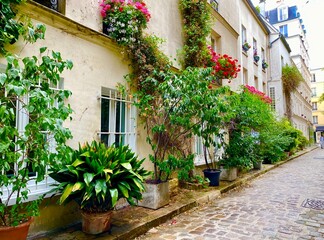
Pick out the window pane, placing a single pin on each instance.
(105, 119)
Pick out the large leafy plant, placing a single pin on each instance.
(26, 92)
(97, 176)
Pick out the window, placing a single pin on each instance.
(263, 54)
(245, 76)
(284, 30)
(282, 61)
(313, 92)
(57, 5)
(315, 119)
(118, 123)
(244, 39)
(215, 42)
(214, 4)
(282, 13)
(255, 47)
(272, 95)
(256, 82)
(314, 105)
(313, 77)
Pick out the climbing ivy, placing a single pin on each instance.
(196, 17)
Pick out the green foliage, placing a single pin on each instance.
(248, 117)
(146, 59)
(25, 87)
(11, 28)
(187, 107)
(197, 26)
(291, 78)
(96, 176)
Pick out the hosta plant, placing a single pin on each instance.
(97, 176)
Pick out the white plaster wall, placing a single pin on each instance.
(253, 30)
(85, 12)
(166, 23)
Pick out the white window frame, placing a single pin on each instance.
(284, 30)
(40, 188)
(272, 95)
(244, 37)
(282, 13)
(129, 132)
(315, 119)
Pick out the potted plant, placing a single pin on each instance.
(256, 57)
(224, 66)
(32, 113)
(246, 46)
(264, 64)
(124, 20)
(96, 177)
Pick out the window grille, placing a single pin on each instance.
(118, 119)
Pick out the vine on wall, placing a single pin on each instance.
(196, 27)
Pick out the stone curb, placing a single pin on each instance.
(161, 216)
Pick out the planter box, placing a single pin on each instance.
(155, 196)
(228, 174)
(257, 165)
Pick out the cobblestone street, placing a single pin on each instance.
(285, 203)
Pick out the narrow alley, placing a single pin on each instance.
(285, 203)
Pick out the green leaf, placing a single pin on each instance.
(124, 190)
(139, 184)
(77, 163)
(88, 178)
(66, 193)
(77, 186)
(42, 49)
(127, 165)
(3, 78)
(101, 186)
(114, 196)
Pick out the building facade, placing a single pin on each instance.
(317, 87)
(75, 29)
(288, 21)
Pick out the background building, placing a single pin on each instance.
(317, 86)
(288, 21)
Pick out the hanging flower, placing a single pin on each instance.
(224, 66)
(124, 20)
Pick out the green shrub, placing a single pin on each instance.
(96, 177)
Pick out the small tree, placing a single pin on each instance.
(26, 92)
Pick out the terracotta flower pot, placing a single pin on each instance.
(19, 232)
(95, 223)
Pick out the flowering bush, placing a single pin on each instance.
(255, 91)
(224, 66)
(123, 21)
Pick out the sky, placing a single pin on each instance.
(312, 13)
